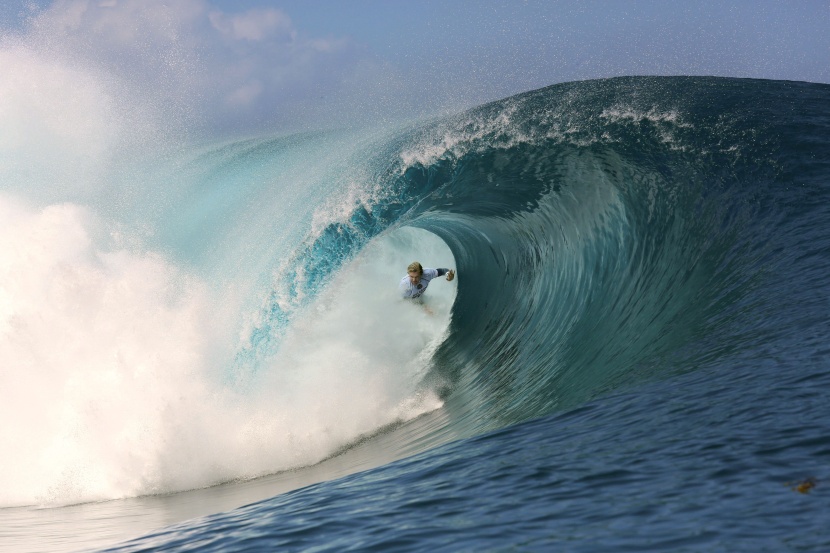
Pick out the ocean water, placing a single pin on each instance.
(203, 347)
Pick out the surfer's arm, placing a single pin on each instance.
(449, 272)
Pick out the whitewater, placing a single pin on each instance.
(202, 344)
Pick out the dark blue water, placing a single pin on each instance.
(676, 466)
(637, 356)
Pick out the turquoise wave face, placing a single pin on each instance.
(604, 232)
(658, 249)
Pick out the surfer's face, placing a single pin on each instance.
(414, 277)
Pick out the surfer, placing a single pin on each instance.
(415, 283)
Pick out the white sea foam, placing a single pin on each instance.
(114, 355)
(113, 364)
(666, 122)
(466, 134)
(104, 356)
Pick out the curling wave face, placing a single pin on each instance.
(604, 232)
(611, 231)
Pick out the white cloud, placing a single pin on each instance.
(116, 21)
(246, 69)
(328, 44)
(246, 94)
(253, 25)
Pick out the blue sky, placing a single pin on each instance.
(292, 63)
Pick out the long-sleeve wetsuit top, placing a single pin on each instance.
(413, 291)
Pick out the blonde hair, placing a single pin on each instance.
(415, 266)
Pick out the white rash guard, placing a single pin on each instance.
(412, 291)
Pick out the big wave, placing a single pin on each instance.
(222, 312)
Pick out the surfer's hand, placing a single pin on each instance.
(450, 274)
